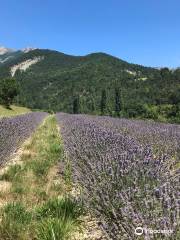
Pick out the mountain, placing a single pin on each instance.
(4, 50)
(56, 81)
(7, 54)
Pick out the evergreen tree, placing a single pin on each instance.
(92, 107)
(117, 102)
(76, 105)
(103, 101)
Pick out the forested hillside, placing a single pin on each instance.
(98, 84)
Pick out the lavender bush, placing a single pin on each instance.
(13, 131)
(129, 172)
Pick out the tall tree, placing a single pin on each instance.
(117, 102)
(103, 101)
(76, 105)
(8, 91)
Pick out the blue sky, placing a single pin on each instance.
(146, 32)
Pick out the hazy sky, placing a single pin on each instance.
(146, 32)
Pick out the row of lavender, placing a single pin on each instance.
(163, 138)
(13, 132)
(125, 183)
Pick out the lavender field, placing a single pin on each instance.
(129, 173)
(14, 131)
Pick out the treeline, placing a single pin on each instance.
(120, 108)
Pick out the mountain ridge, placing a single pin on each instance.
(53, 82)
(9, 53)
(29, 49)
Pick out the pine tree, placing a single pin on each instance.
(103, 101)
(76, 105)
(117, 102)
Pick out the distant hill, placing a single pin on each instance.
(52, 80)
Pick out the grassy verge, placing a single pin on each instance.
(37, 204)
(14, 110)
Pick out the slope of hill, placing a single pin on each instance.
(14, 110)
(53, 80)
